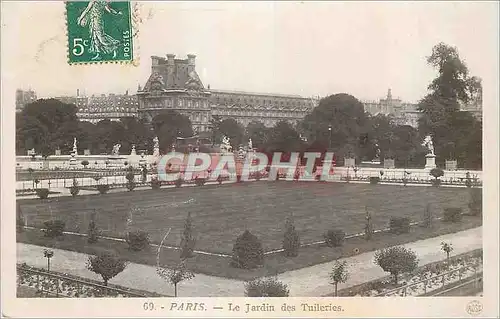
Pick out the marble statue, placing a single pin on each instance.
(250, 144)
(428, 143)
(116, 149)
(156, 146)
(75, 148)
(226, 145)
(133, 152)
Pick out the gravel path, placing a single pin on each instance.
(306, 282)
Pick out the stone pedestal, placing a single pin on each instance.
(451, 165)
(430, 161)
(389, 163)
(72, 161)
(348, 162)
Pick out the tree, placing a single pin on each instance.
(168, 125)
(447, 248)
(93, 231)
(106, 264)
(368, 226)
(339, 274)
(247, 251)
(258, 132)
(453, 132)
(175, 275)
(428, 216)
(267, 287)
(291, 240)
(284, 138)
(47, 125)
(187, 241)
(231, 129)
(396, 260)
(344, 114)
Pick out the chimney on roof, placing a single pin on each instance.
(77, 92)
(191, 62)
(170, 59)
(389, 95)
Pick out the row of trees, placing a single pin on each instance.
(339, 123)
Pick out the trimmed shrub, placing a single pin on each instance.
(452, 214)
(93, 232)
(267, 287)
(247, 252)
(178, 182)
(42, 193)
(54, 228)
(20, 221)
(187, 241)
(155, 183)
(368, 226)
(291, 240)
(103, 188)
(427, 217)
(399, 225)
(476, 201)
(137, 240)
(85, 163)
(106, 264)
(436, 182)
(75, 189)
(130, 180)
(131, 185)
(374, 180)
(219, 179)
(334, 238)
(200, 181)
(396, 260)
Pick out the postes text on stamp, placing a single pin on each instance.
(99, 31)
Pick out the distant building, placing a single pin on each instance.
(403, 113)
(103, 107)
(175, 84)
(23, 98)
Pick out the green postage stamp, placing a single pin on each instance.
(99, 32)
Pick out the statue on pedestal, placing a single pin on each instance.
(250, 145)
(226, 145)
(133, 152)
(156, 146)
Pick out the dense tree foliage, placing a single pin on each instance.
(339, 124)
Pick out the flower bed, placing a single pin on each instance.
(68, 286)
(423, 280)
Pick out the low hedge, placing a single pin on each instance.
(42, 193)
(399, 225)
(54, 228)
(334, 238)
(452, 214)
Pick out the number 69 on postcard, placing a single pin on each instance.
(99, 32)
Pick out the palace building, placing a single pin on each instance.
(175, 84)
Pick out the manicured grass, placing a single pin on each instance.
(222, 212)
(273, 263)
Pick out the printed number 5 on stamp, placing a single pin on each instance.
(99, 32)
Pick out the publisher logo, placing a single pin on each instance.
(474, 308)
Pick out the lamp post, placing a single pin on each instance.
(47, 253)
(330, 140)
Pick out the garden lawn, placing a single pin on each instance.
(222, 212)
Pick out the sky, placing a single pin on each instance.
(310, 48)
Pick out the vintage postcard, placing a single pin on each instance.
(249, 159)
